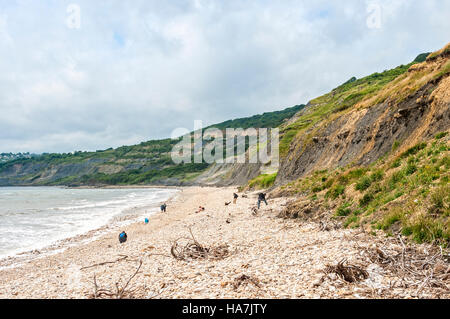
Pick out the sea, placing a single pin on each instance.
(33, 218)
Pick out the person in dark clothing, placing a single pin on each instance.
(122, 237)
(163, 207)
(261, 198)
(235, 197)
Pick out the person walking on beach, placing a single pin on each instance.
(261, 198)
(235, 197)
(163, 207)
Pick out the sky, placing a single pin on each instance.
(89, 75)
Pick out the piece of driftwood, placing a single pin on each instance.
(121, 258)
(118, 292)
(245, 279)
(419, 269)
(349, 273)
(190, 248)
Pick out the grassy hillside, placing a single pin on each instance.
(407, 193)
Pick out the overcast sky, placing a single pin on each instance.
(100, 74)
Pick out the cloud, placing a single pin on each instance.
(134, 72)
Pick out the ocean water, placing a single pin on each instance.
(36, 217)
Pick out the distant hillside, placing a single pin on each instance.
(146, 163)
(266, 120)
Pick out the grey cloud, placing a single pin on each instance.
(136, 70)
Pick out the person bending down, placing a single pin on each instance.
(261, 198)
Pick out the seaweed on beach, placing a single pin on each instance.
(189, 248)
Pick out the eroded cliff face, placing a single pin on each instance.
(413, 107)
(228, 174)
(32, 173)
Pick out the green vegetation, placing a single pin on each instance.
(411, 197)
(265, 120)
(263, 181)
(410, 169)
(367, 198)
(422, 57)
(344, 209)
(396, 145)
(396, 215)
(444, 72)
(413, 150)
(336, 191)
(444, 51)
(364, 183)
(441, 135)
(425, 229)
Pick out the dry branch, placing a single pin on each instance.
(121, 258)
(190, 248)
(418, 269)
(119, 292)
(349, 273)
(242, 279)
(328, 225)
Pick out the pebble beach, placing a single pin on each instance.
(268, 257)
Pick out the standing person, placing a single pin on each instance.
(261, 198)
(235, 197)
(163, 207)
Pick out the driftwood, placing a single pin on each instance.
(119, 292)
(349, 273)
(121, 258)
(328, 225)
(416, 269)
(190, 248)
(242, 279)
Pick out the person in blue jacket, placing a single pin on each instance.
(122, 237)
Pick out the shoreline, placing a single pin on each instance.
(97, 187)
(123, 187)
(127, 217)
(285, 257)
